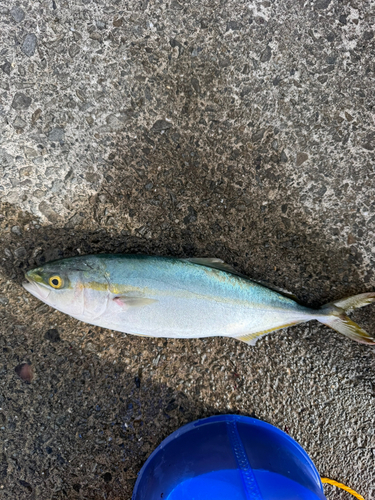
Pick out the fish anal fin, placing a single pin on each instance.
(124, 301)
(251, 338)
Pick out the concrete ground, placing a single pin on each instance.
(231, 129)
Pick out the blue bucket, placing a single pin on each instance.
(228, 457)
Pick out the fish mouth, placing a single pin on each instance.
(39, 291)
(33, 276)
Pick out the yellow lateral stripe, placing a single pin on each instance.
(342, 486)
(252, 336)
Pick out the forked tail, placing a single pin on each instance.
(336, 318)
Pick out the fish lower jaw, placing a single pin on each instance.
(38, 291)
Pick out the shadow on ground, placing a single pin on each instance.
(84, 425)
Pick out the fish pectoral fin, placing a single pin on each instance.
(251, 338)
(214, 263)
(124, 301)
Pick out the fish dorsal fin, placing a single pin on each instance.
(223, 266)
(214, 264)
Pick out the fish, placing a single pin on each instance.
(169, 297)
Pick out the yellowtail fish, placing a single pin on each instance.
(179, 298)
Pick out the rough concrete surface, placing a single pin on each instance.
(231, 129)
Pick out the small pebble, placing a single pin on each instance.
(57, 134)
(20, 252)
(301, 158)
(16, 230)
(25, 372)
(52, 335)
(6, 67)
(19, 123)
(3, 300)
(18, 14)
(100, 25)
(21, 101)
(29, 44)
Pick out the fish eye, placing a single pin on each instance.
(55, 282)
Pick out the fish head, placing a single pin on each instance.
(72, 285)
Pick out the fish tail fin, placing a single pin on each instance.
(336, 318)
